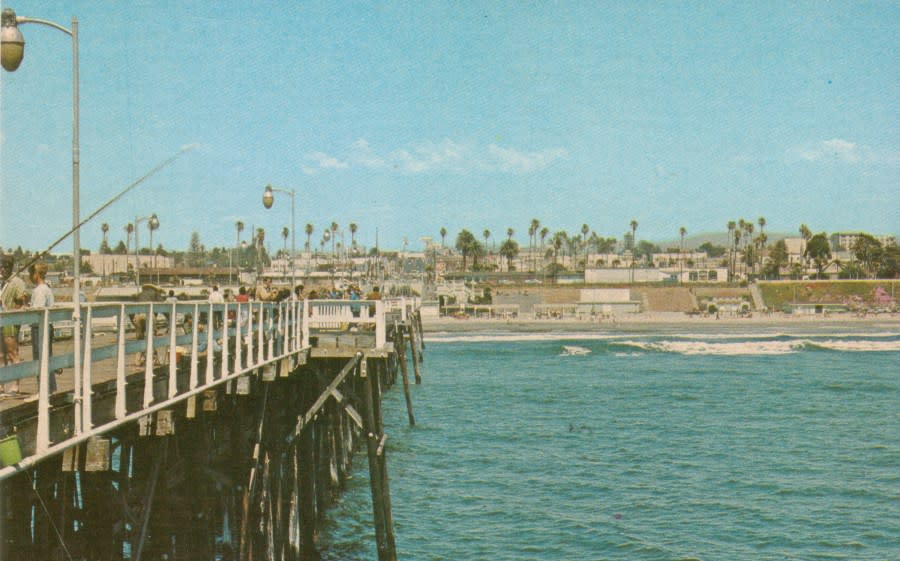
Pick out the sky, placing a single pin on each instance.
(405, 117)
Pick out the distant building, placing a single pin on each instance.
(847, 240)
(106, 264)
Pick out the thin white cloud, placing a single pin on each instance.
(445, 156)
(325, 161)
(519, 162)
(839, 150)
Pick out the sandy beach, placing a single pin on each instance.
(665, 321)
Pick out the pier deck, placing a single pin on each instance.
(235, 457)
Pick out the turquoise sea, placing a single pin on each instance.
(710, 445)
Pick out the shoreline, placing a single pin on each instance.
(661, 321)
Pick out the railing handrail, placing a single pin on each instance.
(244, 336)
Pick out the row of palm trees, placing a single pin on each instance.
(539, 248)
(124, 247)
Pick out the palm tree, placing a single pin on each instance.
(533, 230)
(585, 230)
(509, 250)
(334, 229)
(309, 229)
(486, 234)
(353, 229)
(731, 226)
(285, 232)
(545, 231)
(634, 225)
(443, 236)
(806, 234)
(129, 230)
(105, 229)
(682, 231)
(509, 233)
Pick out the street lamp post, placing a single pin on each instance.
(152, 224)
(268, 200)
(12, 51)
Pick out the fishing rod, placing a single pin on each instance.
(91, 216)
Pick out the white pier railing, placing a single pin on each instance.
(188, 348)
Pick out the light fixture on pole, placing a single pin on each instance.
(326, 237)
(268, 200)
(12, 51)
(152, 224)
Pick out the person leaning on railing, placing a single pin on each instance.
(13, 296)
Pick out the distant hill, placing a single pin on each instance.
(715, 238)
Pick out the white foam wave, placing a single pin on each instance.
(512, 337)
(723, 349)
(858, 345)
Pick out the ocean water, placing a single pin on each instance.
(674, 445)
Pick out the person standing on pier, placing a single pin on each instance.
(41, 297)
(13, 296)
(215, 297)
(265, 292)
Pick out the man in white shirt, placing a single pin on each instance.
(41, 297)
(216, 297)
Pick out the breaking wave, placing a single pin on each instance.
(763, 347)
(632, 344)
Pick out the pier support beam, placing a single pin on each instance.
(378, 478)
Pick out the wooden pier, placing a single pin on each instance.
(232, 447)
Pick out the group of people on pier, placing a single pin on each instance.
(14, 295)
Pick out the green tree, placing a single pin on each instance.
(889, 268)
(196, 256)
(645, 250)
(711, 250)
(778, 259)
(868, 251)
(465, 244)
(509, 250)
(443, 236)
(818, 250)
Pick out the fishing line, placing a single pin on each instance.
(103, 207)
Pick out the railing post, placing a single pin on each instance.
(194, 334)
(238, 340)
(249, 334)
(173, 361)
(86, 390)
(305, 323)
(380, 325)
(259, 333)
(210, 355)
(225, 371)
(42, 439)
(120, 367)
(270, 329)
(149, 353)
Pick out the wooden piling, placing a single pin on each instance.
(384, 535)
(414, 350)
(404, 374)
